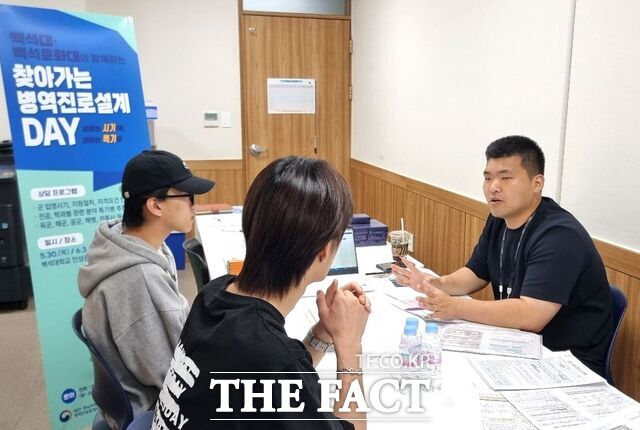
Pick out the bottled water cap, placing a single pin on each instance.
(410, 330)
(411, 321)
(431, 328)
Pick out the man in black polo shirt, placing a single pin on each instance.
(546, 274)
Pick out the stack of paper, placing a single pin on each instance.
(483, 339)
(556, 392)
(598, 406)
(560, 369)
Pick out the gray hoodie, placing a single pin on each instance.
(133, 311)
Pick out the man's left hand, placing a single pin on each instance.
(442, 305)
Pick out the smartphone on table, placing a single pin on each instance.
(386, 267)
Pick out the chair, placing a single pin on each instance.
(142, 422)
(619, 308)
(107, 391)
(195, 252)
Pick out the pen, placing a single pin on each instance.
(374, 273)
(311, 317)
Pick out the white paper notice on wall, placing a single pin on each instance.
(291, 96)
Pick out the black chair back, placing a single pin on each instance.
(107, 391)
(619, 308)
(142, 422)
(195, 253)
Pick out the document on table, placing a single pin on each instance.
(482, 339)
(421, 313)
(222, 239)
(405, 298)
(560, 369)
(597, 406)
(628, 420)
(498, 414)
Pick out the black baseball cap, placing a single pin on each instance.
(152, 170)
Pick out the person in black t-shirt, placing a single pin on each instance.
(546, 274)
(294, 216)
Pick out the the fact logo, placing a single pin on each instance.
(290, 391)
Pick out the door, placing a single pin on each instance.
(302, 48)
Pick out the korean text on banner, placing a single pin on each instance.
(76, 114)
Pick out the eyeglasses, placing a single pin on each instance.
(175, 196)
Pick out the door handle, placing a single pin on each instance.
(256, 150)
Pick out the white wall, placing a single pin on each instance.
(75, 5)
(602, 154)
(435, 82)
(190, 62)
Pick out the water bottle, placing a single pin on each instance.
(410, 349)
(432, 357)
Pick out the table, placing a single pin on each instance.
(381, 338)
(456, 406)
(221, 237)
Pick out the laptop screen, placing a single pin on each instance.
(346, 261)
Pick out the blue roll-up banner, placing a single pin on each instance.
(77, 114)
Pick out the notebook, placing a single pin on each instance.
(344, 267)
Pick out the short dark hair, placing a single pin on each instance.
(293, 209)
(133, 207)
(529, 151)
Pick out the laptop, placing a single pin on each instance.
(346, 259)
(344, 267)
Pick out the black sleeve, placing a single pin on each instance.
(478, 262)
(553, 265)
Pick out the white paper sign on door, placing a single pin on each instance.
(291, 96)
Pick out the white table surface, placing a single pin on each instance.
(222, 239)
(456, 406)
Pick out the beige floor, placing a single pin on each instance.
(23, 404)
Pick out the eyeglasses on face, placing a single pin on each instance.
(192, 197)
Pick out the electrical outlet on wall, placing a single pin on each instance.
(225, 119)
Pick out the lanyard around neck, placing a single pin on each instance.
(514, 265)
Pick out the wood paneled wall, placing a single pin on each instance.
(228, 176)
(446, 227)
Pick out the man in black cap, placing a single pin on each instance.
(133, 311)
